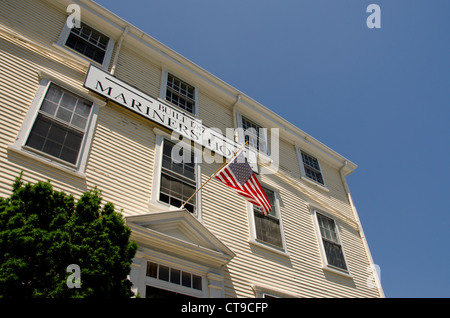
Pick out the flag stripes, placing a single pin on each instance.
(251, 190)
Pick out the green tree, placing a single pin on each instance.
(43, 231)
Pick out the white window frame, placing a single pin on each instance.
(262, 131)
(163, 92)
(303, 172)
(77, 169)
(251, 217)
(161, 136)
(178, 288)
(325, 264)
(61, 45)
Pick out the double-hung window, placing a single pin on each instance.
(180, 93)
(87, 42)
(254, 134)
(330, 242)
(58, 127)
(310, 167)
(267, 228)
(178, 178)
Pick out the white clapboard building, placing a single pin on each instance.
(105, 104)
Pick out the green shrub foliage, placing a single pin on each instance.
(43, 231)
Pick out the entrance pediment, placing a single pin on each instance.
(179, 233)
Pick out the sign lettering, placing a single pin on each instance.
(158, 111)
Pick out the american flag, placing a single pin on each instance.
(239, 175)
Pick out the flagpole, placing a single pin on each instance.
(214, 174)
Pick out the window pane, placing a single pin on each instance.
(186, 279)
(163, 273)
(268, 229)
(68, 101)
(175, 276)
(196, 282)
(49, 107)
(79, 121)
(64, 114)
(52, 148)
(57, 134)
(335, 257)
(53, 94)
(152, 269)
(83, 109)
(40, 129)
(73, 140)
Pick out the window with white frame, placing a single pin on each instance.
(330, 242)
(268, 228)
(311, 168)
(254, 134)
(180, 93)
(88, 42)
(174, 276)
(178, 177)
(58, 126)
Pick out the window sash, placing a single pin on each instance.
(312, 168)
(175, 192)
(331, 242)
(253, 134)
(335, 256)
(180, 93)
(60, 125)
(267, 228)
(174, 276)
(185, 169)
(88, 42)
(178, 180)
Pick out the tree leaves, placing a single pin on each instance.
(42, 231)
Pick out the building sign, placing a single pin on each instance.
(158, 111)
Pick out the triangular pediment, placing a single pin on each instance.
(178, 232)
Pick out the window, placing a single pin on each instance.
(180, 93)
(254, 134)
(60, 125)
(178, 178)
(88, 42)
(267, 228)
(174, 276)
(330, 242)
(311, 168)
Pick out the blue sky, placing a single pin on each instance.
(379, 97)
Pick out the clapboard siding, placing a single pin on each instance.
(209, 110)
(121, 159)
(138, 71)
(122, 156)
